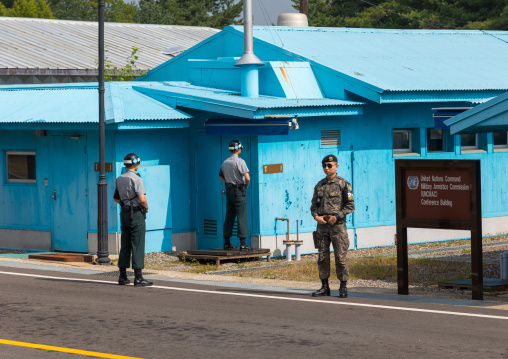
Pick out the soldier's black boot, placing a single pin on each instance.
(343, 289)
(139, 280)
(228, 245)
(244, 246)
(123, 280)
(324, 291)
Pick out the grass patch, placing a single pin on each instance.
(425, 271)
(203, 268)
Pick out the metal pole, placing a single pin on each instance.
(102, 186)
(304, 7)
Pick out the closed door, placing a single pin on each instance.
(68, 187)
(210, 191)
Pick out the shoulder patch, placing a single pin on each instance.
(350, 192)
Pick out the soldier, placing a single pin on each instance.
(332, 201)
(232, 173)
(130, 195)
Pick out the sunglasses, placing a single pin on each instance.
(329, 165)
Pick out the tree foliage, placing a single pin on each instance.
(127, 73)
(87, 10)
(27, 8)
(409, 14)
(212, 13)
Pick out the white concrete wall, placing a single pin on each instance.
(184, 241)
(113, 243)
(25, 239)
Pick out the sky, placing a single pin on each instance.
(273, 9)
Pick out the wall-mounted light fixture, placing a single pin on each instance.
(40, 133)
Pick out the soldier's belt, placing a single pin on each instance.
(128, 209)
(234, 186)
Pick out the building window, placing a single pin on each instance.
(500, 139)
(436, 139)
(20, 166)
(469, 141)
(401, 141)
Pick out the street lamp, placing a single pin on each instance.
(102, 185)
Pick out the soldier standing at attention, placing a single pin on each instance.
(332, 201)
(130, 195)
(232, 173)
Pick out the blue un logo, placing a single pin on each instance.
(412, 182)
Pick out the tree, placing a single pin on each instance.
(409, 14)
(3, 10)
(30, 8)
(126, 73)
(87, 10)
(212, 13)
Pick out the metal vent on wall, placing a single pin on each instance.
(210, 227)
(330, 138)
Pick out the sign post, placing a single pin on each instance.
(441, 194)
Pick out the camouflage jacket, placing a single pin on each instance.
(333, 197)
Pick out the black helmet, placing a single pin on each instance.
(235, 145)
(131, 159)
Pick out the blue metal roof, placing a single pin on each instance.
(126, 104)
(397, 60)
(78, 103)
(490, 116)
(231, 103)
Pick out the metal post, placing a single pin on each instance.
(304, 7)
(102, 185)
(249, 62)
(402, 261)
(476, 237)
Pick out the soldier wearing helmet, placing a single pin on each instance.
(235, 174)
(130, 195)
(332, 201)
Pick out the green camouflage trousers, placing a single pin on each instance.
(337, 236)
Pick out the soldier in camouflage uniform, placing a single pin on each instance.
(332, 201)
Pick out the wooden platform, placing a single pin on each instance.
(489, 284)
(219, 255)
(63, 257)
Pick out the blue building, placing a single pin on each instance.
(368, 96)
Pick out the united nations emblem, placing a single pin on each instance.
(412, 182)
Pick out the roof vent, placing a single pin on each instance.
(292, 19)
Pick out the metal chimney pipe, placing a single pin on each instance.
(249, 62)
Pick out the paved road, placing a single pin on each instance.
(184, 320)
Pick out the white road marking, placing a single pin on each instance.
(338, 302)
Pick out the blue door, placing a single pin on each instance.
(210, 191)
(68, 187)
(159, 222)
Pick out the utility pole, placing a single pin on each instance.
(304, 7)
(102, 186)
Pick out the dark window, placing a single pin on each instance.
(401, 141)
(468, 141)
(500, 139)
(435, 139)
(21, 167)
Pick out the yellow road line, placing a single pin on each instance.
(65, 350)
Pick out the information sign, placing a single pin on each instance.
(441, 194)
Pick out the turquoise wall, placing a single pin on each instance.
(368, 165)
(164, 147)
